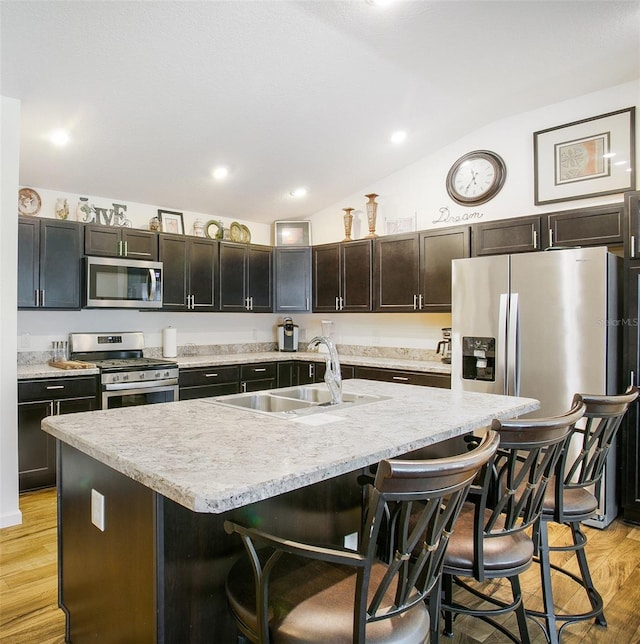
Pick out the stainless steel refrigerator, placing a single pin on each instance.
(541, 325)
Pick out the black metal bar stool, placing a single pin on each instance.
(287, 591)
(491, 540)
(572, 498)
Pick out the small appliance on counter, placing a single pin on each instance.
(444, 346)
(287, 335)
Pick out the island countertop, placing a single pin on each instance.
(210, 458)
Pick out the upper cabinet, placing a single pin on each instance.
(342, 277)
(597, 226)
(190, 268)
(412, 272)
(246, 278)
(517, 235)
(109, 241)
(292, 275)
(49, 263)
(632, 216)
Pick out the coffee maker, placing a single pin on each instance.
(444, 346)
(287, 335)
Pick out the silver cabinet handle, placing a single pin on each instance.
(37, 297)
(535, 239)
(57, 408)
(251, 299)
(120, 248)
(307, 304)
(243, 387)
(210, 375)
(55, 387)
(51, 408)
(337, 303)
(415, 302)
(633, 246)
(402, 378)
(420, 302)
(258, 370)
(633, 378)
(126, 248)
(550, 236)
(341, 303)
(42, 297)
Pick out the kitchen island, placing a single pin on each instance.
(170, 474)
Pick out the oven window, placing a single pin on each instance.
(115, 401)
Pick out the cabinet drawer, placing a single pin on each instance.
(405, 377)
(208, 376)
(55, 388)
(207, 391)
(259, 371)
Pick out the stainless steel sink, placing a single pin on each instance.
(292, 402)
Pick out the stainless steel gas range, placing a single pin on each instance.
(127, 378)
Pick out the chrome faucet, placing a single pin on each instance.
(332, 375)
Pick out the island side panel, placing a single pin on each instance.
(106, 579)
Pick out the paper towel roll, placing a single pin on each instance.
(169, 342)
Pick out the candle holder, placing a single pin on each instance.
(348, 221)
(372, 209)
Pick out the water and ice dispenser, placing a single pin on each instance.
(478, 358)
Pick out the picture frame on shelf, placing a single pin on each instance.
(171, 222)
(587, 158)
(292, 233)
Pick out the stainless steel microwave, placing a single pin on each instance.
(114, 282)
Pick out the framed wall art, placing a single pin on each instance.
(292, 233)
(171, 222)
(588, 158)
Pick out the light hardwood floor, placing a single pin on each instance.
(29, 611)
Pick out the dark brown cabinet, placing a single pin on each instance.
(189, 278)
(342, 277)
(291, 374)
(412, 272)
(598, 226)
(36, 400)
(203, 382)
(405, 377)
(518, 235)
(292, 276)
(49, 264)
(259, 376)
(246, 278)
(110, 241)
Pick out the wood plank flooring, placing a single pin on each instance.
(29, 612)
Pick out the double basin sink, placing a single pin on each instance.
(291, 402)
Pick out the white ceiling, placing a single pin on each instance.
(287, 94)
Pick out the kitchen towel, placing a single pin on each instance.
(169, 342)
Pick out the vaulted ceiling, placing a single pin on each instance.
(156, 94)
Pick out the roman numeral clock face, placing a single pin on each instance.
(476, 177)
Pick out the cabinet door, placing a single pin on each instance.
(404, 377)
(203, 262)
(60, 263)
(36, 449)
(102, 240)
(233, 277)
(326, 278)
(28, 262)
(292, 291)
(630, 433)
(599, 226)
(632, 217)
(306, 373)
(396, 281)
(173, 253)
(140, 244)
(438, 249)
(357, 275)
(260, 279)
(517, 235)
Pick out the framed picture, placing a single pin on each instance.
(171, 222)
(587, 158)
(292, 233)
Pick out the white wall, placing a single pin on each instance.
(419, 189)
(9, 158)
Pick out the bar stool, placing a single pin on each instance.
(572, 498)
(491, 539)
(285, 591)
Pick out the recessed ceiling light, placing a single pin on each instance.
(398, 137)
(59, 137)
(220, 173)
(299, 192)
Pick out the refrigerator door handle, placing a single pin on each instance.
(513, 382)
(501, 357)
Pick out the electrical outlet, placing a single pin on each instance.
(97, 509)
(351, 541)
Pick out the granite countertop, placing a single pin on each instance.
(211, 458)
(26, 372)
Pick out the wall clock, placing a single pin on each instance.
(476, 177)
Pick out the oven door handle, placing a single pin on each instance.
(149, 384)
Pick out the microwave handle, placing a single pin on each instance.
(154, 285)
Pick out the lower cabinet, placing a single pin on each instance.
(406, 377)
(208, 381)
(36, 400)
(259, 376)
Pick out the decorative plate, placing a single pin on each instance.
(246, 234)
(214, 229)
(29, 202)
(235, 232)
